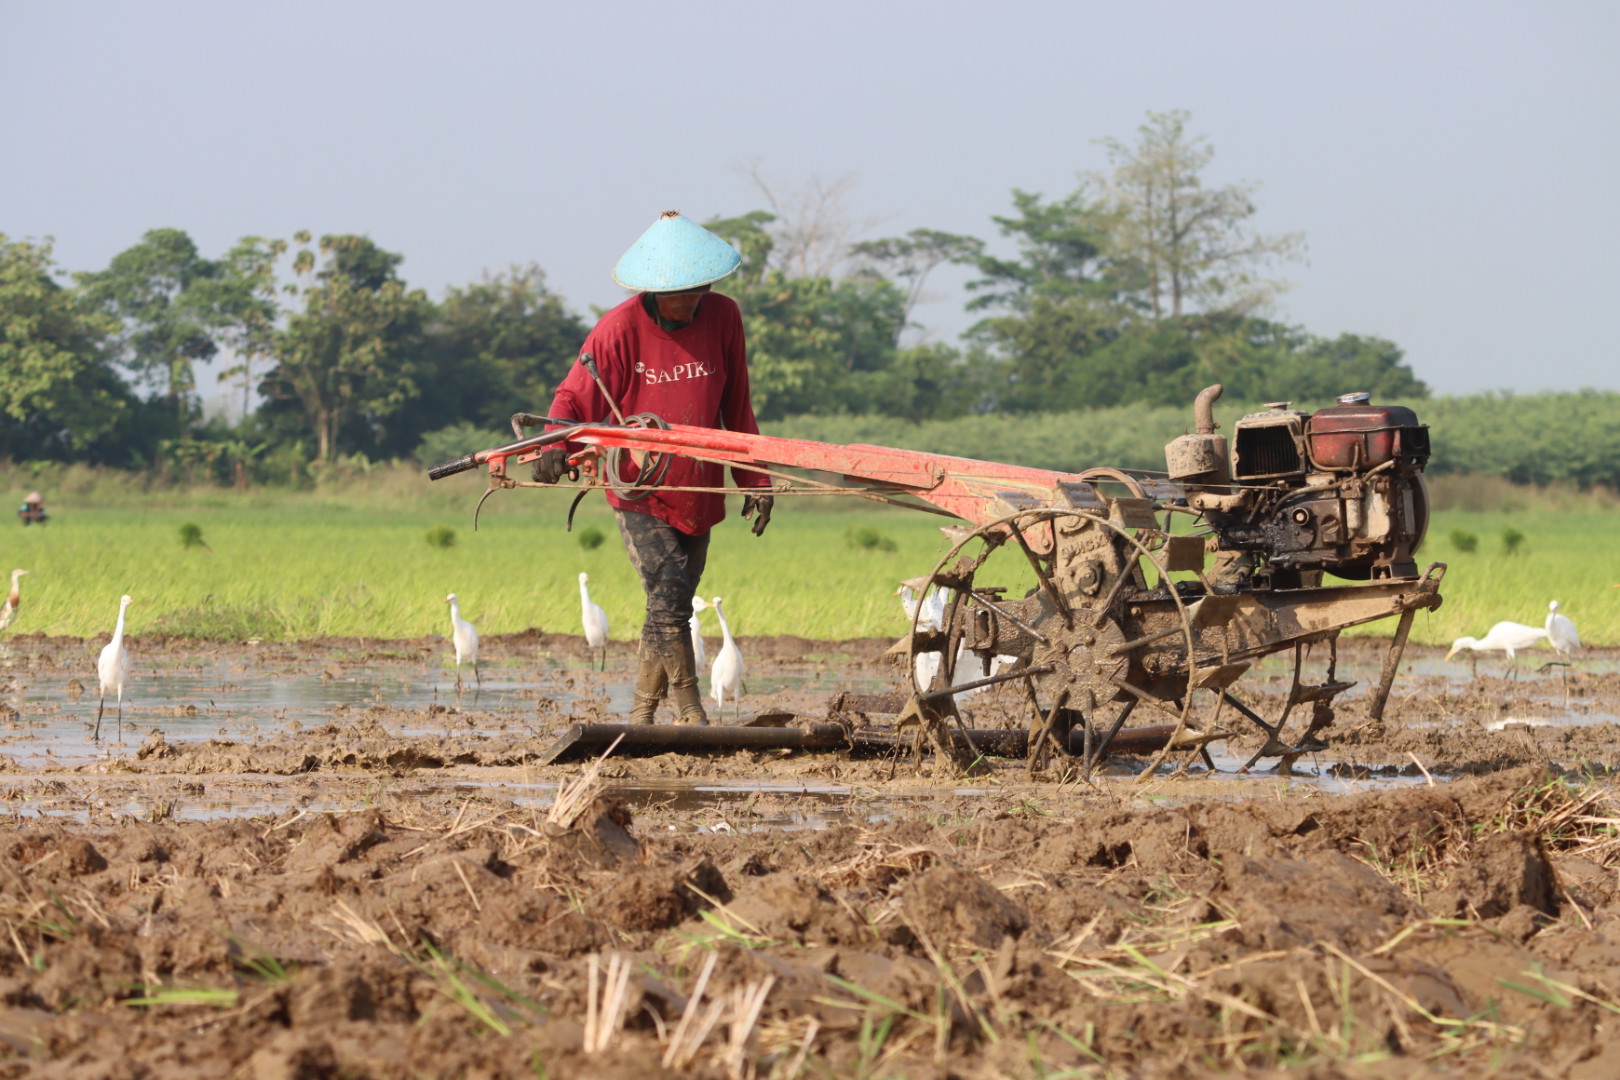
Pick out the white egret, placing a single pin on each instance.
(970, 667)
(10, 609)
(1504, 637)
(113, 669)
(929, 614)
(465, 639)
(595, 619)
(925, 664)
(698, 604)
(726, 674)
(932, 617)
(1561, 633)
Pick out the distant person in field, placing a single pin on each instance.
(32, 511)
(677, 350)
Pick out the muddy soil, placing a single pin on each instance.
(384, 884)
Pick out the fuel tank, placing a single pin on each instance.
(1356, 435)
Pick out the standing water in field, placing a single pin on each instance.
(243, 692)
(343, 715)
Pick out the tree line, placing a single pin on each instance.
(1139, 287)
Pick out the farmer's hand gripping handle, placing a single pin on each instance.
(552, 465)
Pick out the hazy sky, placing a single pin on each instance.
(1449, 163)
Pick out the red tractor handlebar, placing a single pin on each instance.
(977, 491)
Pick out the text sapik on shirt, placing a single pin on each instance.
(693, 370)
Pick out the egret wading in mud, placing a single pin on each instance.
(465, 639)
(1561, 633)
(9, 611)
(1564, 638)
(113, 670)
(1504, 637)
(595, 619)
(698, 604)
(726, 675)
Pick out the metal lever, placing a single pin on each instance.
(589, 363)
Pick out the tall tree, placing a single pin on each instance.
(154, 289)
(492, 348)
(244, 303)
(1193, 246)
(1058, 299)
(57, 392)
(1323, 368)
(911, 258)
(810, 226)
(513, 324)
(1062, 253)
(354, 350)
(814, 342)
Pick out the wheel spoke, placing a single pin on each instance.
(1100, 750)
(1036, 753)
(1226, 695)
(1044, 576)
(1001, 612)
(988, 680)
(953, 634)
(1143, 697)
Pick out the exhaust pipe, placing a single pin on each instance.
(1200, 458)
(1204, 409)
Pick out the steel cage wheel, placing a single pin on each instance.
(1070, 654)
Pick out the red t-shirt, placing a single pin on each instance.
(696, 375)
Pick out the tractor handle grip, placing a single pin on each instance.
(478, 457)
(450, 468)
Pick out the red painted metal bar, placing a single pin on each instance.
(965, 487)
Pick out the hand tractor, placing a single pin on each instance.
(1136, 590)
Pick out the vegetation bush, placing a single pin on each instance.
(454, 441)
(1550, 438)
(866, 538)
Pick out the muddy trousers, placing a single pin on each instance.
(671, 565)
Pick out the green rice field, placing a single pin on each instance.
(299, 565)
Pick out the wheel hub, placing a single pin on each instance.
(1081, 657)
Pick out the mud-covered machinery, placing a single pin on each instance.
(1340, 490)
(1093, 594)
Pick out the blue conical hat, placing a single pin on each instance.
(675, 254)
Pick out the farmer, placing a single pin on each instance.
(32, 510)
(674, 349)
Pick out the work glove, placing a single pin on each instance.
(762, 504)
(550, 466)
